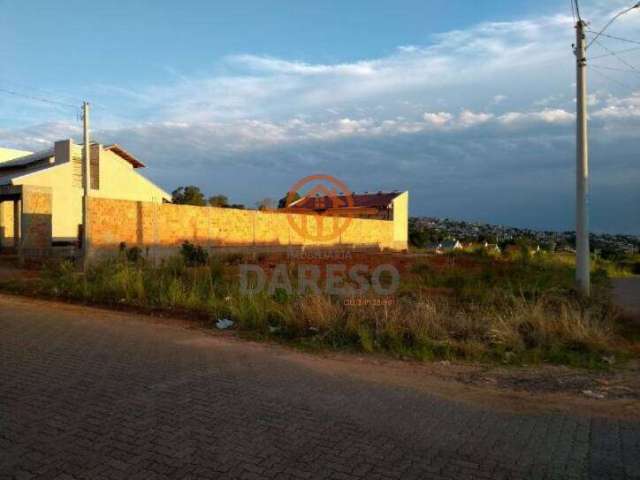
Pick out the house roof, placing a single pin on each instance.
(7, 154)
(450, 243)
(377, 201)
(118, 150)
(27, 160)
(8, 176)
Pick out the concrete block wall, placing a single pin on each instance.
(164, 227)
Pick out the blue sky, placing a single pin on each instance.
(469, 105)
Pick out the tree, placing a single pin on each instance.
(219, 201)
(265, 204)
(189, 195)
(420, 236)
(282, 203)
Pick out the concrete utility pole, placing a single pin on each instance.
(86, 183)
(582, 165)
(583, 279)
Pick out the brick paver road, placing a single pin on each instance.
(85, 394)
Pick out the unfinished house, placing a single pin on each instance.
(41, 193)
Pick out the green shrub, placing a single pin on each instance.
(194, 255)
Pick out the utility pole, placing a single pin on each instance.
(582, 165)
(86, 183)
(583, 280)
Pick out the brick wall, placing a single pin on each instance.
(36, 225)
(167, 226)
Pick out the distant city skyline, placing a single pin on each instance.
(470, 108)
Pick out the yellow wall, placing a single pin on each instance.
(6, 224)
(167, 226)
(401, 221)
(66, 200)
(119, 180)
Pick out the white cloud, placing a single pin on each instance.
(468, 118)
(39, 136)
(593, 99)
(279, 66)
(494, 55)
(553, 116)
(438, 119)
(619, 107)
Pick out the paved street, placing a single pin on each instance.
(626, 292)
(90, 394)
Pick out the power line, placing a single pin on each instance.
(573, 11)
(615, 38)
(611, 79)
(616, 69)
(39, 91)
(626, 50)
(627, 10)
(620, 59)
(39, 99)
(577, 9)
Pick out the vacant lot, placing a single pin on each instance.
(516, 310)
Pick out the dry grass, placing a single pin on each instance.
(513, 311)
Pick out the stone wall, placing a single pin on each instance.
(164, 227)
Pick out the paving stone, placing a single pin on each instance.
(87, 394)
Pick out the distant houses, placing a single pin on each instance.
(491, 247)
(446, 246)
(452, 245)
(609, 245)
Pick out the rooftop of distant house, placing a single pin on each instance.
(379, 200)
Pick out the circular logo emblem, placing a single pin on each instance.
(323, 212)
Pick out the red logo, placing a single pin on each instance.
(329, 202)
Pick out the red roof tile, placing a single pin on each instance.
(364, 200)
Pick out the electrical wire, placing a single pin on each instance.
(573, 11)
(636, 5)
(596, 69)
(38, 98)
(615, 38)
(577, 10)
(6, 83)
(615, 69)
(620, 59)
(627, 50)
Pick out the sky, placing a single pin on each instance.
(469, 105)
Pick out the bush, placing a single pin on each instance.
(133, 254)
(194, 255)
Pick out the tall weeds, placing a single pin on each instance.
(509, 311)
